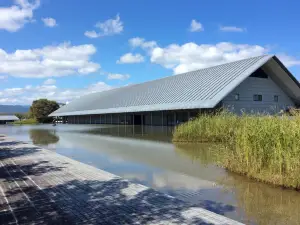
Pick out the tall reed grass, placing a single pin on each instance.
(260, 202)
(263, 147)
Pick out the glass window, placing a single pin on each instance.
(259, 74)
(257, 98)
(275, 98)
(237, 97)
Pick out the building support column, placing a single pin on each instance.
(142, 122)
(175, 119)
(125, 124)
(118, 126)
(162, 118)
(133, 124)
(133, 119)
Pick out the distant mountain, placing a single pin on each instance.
(14, 109)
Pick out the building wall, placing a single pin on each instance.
(251, 86)
(257, 86)
(6, 121)
(158, 118)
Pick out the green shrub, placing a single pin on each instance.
(26, 122)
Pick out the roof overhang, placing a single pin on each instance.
(236, 82)
(8, 118)
(278, 73)
(283, 78)
(269, 63)
(143, 108)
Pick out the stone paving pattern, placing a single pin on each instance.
(38, 186)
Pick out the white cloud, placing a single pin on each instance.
(3, 77)
(29, 93)
(97, 87)
(289, 61)
(131, 58)
(91, 34)
(191, 56)
(16, 16)
(8, 100)
(180, 181)
(232, 29)
(140, 42)
(196, 26)
(49, 61)
(136, 41)
(49, 81)
(49, 22)
(117, 76)
(107, 28)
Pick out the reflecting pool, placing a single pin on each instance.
(146, 155)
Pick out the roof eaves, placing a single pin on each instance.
(237, 81)
(143, 108)
(286, 70)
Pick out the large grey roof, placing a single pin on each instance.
(203, 88)
(8, 117)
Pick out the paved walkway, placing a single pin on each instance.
(38, 186)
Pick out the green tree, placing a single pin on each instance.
(40, 109)
(23, 116)
(43, 137)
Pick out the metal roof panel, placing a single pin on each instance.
(202, 88)
(8, 117)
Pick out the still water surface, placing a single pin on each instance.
(146, 155)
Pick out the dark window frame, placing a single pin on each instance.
(237, 97)
(257, 98)
(276, 98)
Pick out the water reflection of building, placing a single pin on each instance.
(260, 84)
(149, 151)
(186, 171)
(156, 133)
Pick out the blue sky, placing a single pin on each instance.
(63, 49)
